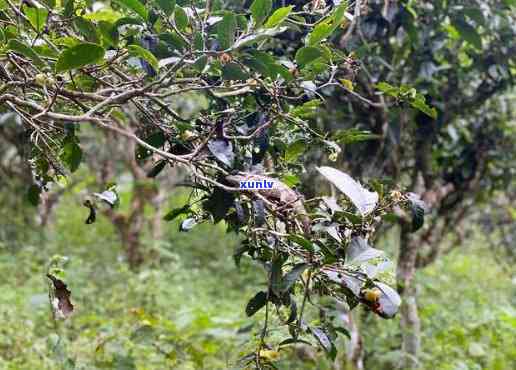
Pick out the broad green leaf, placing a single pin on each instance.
(326, 27)
(419, 103)
(173, 40)
(354, 135)
(320, 32)
(173, 214)
(307, 110)
(87, 29)
(226, 31)
(307, 54)
(278, 16)
(109, 33)
(181, 18)
(260, 9)
(136, 6)
(256, 303)
(71, 153)
(302, 241)
(388, 89)
(79, 56)
(267, 65)
(276, 275)
(104, 14)
(200, 63)
(68, 6)
(468, 33)
(291, 277)
(23, 49)
(37, 16)
(138, 51)
(294, 150)
(232, 71)
(167, 6)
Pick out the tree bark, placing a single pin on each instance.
(409, 318)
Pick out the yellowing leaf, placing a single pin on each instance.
(347, 84)
(270, 354)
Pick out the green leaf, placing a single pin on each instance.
(173, 40)
(388, 89)
(307, 54)
(420, 104)
(181, 18)
(173, 214)
(226, 31)
(167, 6)
(290, 180)
(109, 33)
(354, 135)
(291, 277)
(278, 16)
(200, 63)
(276, 275)
(294, 150)
(232, 71)
(302, 241)
(260, 9)
(256, 303)
(68, 8)
(468, 33)
(267, 65)
(79, 56)
(71, 153)
(135, 6)
(326, 27)
(23, 49)
(36, 16)
(307, 110)
(320, 32)
(87, 29)
(138, 51)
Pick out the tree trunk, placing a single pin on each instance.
(409, 318)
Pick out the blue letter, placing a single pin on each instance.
(243, 185)
(269, 184)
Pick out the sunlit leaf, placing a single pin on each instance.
(363, 199)
(278, 16)
(136, 6)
